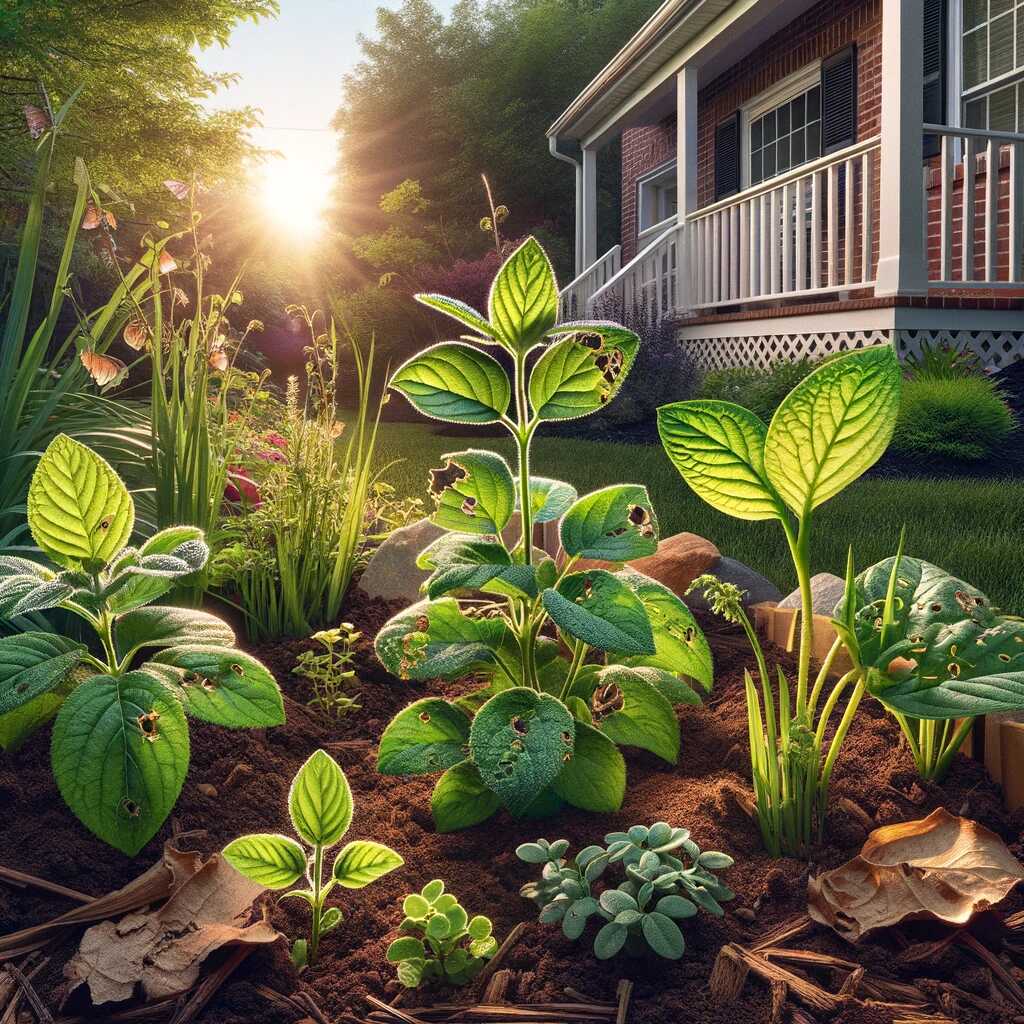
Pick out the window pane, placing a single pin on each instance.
(975, 12)
(814, 104)
(769, 127)
(769, 161)
(1020, 36)
(783, 120)
(784, 154)
(1002, 110)
(755, 168)
(814, 141)
(798, 149)
(799, 107)
(975, 113)
(1000, 46)
(998, 7)
(755, 134)
(975, 58)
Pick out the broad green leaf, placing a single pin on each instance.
(18, 725)
(361, 862)
(428, 736)
(615, 524)
(473, 492)
(680, 646)
(463, 562)
(32, 664)
(170, 627)
(410, 972)
(184, 543)
(663, 935)
(120, 752)
(601, 610)
(320, 801)
(79, 511)
(609, 940)
(460, 799)
(550, 499)
(643, 717)
(460, 311)
(523, 303)
(273, 861)
(408, 947)
(833, 426)
(594, 779)
(583, 372)
(12, 565)
(718, 448)
(519, 741)
(20, 595)
(433, 639)
(456, 383)
(225, 686)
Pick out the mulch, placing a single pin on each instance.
(251, 772)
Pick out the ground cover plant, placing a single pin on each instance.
(545, 728)
(320, 807)
(120, 746)
(328, 669)
(438, 941)
(660, 888)
(829, 430)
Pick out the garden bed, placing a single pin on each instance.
(250, 772)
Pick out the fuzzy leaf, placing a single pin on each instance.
(461, 799)
(183, 543)
(550, 499)
(170, 627)
(601, 610)
(428, 736)
(609, 940)
(460, 311)
(615, 524)
(523, 303)
(646, 719)
(320, 801)
(361, 862)
(663, 935)
(32, 664)
(474, 493)
(595, 778)
(468, 563)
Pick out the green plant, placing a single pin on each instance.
(829, 430)
(660, 888)
(328, 672)
(760, 391)
(934, 651)
(545, 727)
(964, 418)
(320, 807)
(942, 361)
(120, 746)
(438, 940)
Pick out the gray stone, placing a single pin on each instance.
(757, 587)
(827, 591)
(392, 573)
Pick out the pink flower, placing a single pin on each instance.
(276, 440)
(243, 487)
(271, 456)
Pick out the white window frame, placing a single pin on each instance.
(957, 95)
(644, 183)
(781, 92)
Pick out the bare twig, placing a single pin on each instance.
(503, 950)
(20, 879)
(1009, 982)
(393, 1011)
(207, 988)
(43, 1015)
(624, 992)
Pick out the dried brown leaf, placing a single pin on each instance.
(940, 867)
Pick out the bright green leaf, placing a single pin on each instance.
(460, 311)
(473, 492)
(161, 626)
(320, 801)
(460, 799)
(601, 610)
(615, 524)
(361, 862)
(645, 719)
(523, 303)
(273, 861)
(550, 499)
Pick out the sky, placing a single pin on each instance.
(291, 68)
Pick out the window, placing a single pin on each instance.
(786, 136)
(992, 60)
(658, 197)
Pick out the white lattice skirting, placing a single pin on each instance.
(996, 348)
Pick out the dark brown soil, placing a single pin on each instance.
(41, 836)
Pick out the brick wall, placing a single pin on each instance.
(643, 149)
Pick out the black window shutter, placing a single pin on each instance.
(727, 157)
(839, 100)
(935, 51)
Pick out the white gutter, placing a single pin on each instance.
(553, 144)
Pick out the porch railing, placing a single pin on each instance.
(648, 286)
(576, 296)
(804, 233)
(974, 206)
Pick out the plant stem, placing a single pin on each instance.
(318, 910)
(800, 547)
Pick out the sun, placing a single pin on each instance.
(294, 189)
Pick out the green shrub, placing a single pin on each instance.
(760, 391)
(962, 418)
(943, 361)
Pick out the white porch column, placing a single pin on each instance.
(686, 177)
(589, 204)
(901, 245)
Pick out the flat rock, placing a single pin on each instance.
(827, 591)
(679, 560)
(757, 588)
(392, 573)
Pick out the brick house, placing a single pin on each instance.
(800, 177)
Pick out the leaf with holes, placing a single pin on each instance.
(594, 779)
(615, 524)
(718, 448)
(120, 753)
(601, 610)
(583, 372)
(833, 426)
(639, 714)
(461, 799)
(520, 740)
(473, 492)
(273, 861)
(161, 626)
(434, 640)
(320, 801)
(361, 862)
(430, 735)
(32, 664)
(225, 686)
(456, 383)
(79, 511)
(523, 302)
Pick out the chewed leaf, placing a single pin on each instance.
(474, 493)
(582, 372)
(468, 563)
(429, 735)
(633, 712)
(615, 524)
(602, 611)
(32, 664)
(433, 639)
(594, 778)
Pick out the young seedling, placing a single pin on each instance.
(829, 430)
(546, 727)
(438, 940)
(328, 671)
(120, 746)
(320, 807)
(660, 888)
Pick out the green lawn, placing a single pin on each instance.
(974, 529)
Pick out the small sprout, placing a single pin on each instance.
(329, 670)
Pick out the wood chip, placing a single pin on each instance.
(812, 995)
(728, 977)
(1009, 983)
(24, 983)
(624, 993)
(503, 950)
(393, 1011)
(780, 992)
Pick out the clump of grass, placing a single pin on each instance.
(760, 391)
